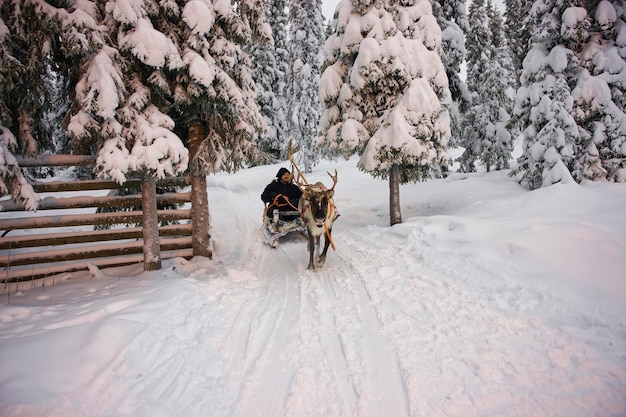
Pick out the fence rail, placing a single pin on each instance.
(41, 244)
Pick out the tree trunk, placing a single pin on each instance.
(151, 249)
(307, 155)
(199, 197)
(395, 215)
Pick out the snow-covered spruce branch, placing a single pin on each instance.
(12, 181)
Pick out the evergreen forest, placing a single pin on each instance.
(396, 83)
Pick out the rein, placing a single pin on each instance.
(286, 203)
(330, 239)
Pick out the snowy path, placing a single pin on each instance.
(297, 318)
(397, 324)
(406, 337)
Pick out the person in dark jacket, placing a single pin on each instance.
(282, 193)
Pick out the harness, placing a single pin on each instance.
(277, 203)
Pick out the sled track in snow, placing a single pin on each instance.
(362, 360)
(264, 320)
(445, 327)
(293, 317)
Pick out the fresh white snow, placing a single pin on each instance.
(489, 300)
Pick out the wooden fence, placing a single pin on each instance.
(32, 245)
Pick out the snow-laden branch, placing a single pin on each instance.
(11, 178)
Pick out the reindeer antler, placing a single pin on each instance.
(299, 178)
(334, 177)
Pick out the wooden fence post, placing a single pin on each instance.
(199, 196)
(151, 247)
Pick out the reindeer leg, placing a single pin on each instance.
(311, 251)
(317, 246)
(321, 259)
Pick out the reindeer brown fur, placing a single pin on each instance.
(318, 212)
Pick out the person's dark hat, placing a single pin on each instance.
(281, 172)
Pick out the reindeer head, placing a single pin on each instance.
(315, 197)
(319, 201)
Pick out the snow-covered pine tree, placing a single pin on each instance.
(517, 29)
(479, 49)
(306, 37)
(12, 180)
(497, 93)
(452, 19)
(601, 93)
(114, 108)
(478, 42)
(384, 88)
(29, 38)
(58, 83)
(269, 71)
(328, 26)
(29, 49)
(470, 139)
(545, 104)
(215, 89)
(170, 64)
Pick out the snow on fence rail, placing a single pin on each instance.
(37, 245)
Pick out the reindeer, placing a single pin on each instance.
(318, 212)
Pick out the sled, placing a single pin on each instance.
(282, 223)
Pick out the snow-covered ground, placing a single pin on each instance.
(488, 300)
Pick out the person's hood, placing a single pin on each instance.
(281, 172)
